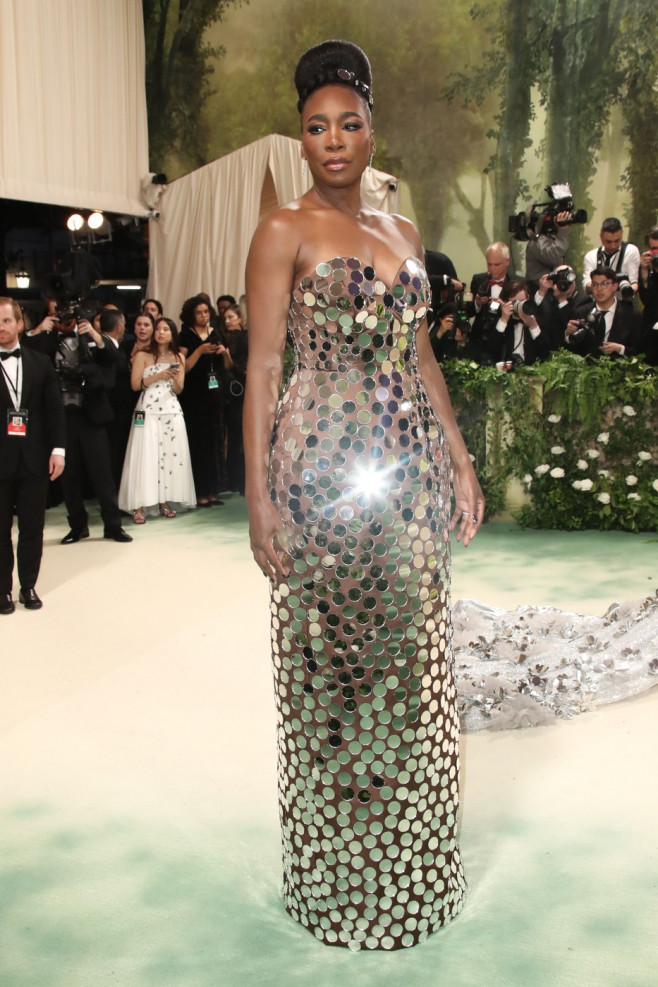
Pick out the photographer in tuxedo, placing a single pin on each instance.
(559, 300)
(85, 363)
(31, 450)
(648, 289)
(611, 326)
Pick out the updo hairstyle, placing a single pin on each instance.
(333, 63)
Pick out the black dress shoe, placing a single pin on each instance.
(74, 535)
(6, 603)
(29, 599)
(117, 534)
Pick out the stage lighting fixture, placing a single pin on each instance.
(75, 222)
(96, 220)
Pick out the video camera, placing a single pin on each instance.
(541, 216)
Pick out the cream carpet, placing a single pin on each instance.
(138, 812)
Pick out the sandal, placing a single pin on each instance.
(166, 511)
(138, 516)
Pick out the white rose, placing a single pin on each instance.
(554, 419)
(634, 496)
(604, 472)
(527, 479)
(603, 498)
(629, 410)
(655, 485)
(644, 457)
(540, 470)
(631, 481)
(603, 437)
(558, 450)
(593, 453)
(557, 472)
(581, 464)
(577, 484)
(586, 484)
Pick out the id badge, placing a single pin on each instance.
(213, 383)
(138, 419)
(17, 422)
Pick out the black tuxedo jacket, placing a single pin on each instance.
(46, 430)
(533, 349)
(625, 329)
(553, 320)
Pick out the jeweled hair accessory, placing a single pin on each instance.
(346, 76)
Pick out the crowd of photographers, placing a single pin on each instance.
(501, 319)
(94, 355)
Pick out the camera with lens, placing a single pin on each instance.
(524, 307)
(490, 316)
(625, 288)
(562, 279)
(654, 262)
(592, 327)
(542, 216)
(71, 378)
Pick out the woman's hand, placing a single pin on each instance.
(269, 540)
(469, 503)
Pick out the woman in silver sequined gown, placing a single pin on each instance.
(348, 488)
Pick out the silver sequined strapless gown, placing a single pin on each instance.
(368, 734)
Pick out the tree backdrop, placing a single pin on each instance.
(477, 107)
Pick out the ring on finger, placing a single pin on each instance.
(474, 518)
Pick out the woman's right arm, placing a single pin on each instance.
(269, 276)
(137, 370)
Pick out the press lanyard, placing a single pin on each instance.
(10, 382)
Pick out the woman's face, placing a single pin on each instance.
(337, 138)
(232, 320)
(201, 315)
(162, 333)
(143, 328)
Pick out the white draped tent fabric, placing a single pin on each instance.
(207, 218)
(73, 127)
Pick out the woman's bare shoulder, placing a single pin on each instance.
(408, 230)
(286, 221)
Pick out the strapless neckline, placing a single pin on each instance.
(354, 263)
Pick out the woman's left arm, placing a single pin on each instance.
(179, 380)
(469, 500)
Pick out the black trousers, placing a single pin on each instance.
(25, 494)
(87, 444)
(234, 445)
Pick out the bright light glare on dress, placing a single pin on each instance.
(372, 482)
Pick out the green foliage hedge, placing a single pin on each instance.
(581, 436)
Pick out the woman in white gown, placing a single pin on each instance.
(157, 474)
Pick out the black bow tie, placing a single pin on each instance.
(5, 355)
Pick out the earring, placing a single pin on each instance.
(303, 167)
(370, 161)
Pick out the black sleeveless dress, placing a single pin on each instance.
(368, 732)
